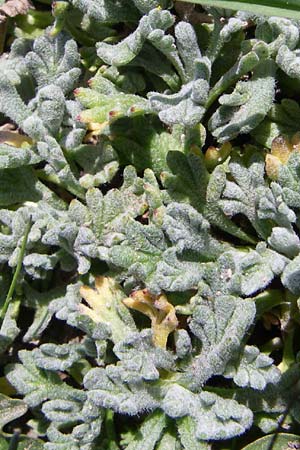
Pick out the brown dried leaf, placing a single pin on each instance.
(14, 7)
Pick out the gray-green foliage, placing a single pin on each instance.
(125, 205)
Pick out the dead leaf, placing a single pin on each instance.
(14, 7)
(160, 312)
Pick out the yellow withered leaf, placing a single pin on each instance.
(281, 150)
(160, 312)
(105, 306)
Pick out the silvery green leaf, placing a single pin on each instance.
(147, 146)
(10, 409)
(187, 430)
(169, 441)
(62, 410)
(187, 106)
(186, 179)
(243, 110)
(288, 179)
(125, 51)
(51, 151)
(37, 265)
(150, 59)
(110, 11)
(42, 316)
(109, 214)
(246, 188)
(9, 329)
(57, 357)
(183, 343)
(245, 273)
(222, 33)
(277, 32)
(175, 273)
(220, 324)
(289, 61)
(60, 67)
(272, 206)
(85, 422)
(11, 103)
(18, 185)
(149, 432)
(246, 63)
(11, 157)
(291, 276)
(51, 107)
(145, 5)
(284, 241)
(253, 369)
(275, 398)
(214, 417)
(280, 120)
(35, 384)
(140, 252)
(140, 359)
(188, 230)
(107, 390)
(99, 162)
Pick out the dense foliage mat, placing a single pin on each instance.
(149, 227)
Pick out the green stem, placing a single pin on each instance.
(288, 357)
(3, 29)
(268, 300)
(17, 272)
(109, 426)
(14, 442)
(52, 178)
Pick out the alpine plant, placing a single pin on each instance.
(150, 198)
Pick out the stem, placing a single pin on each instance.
(14, 442)
(109, 425)
(3, 29)
(17, 272)
(288, 357)
(52, 178)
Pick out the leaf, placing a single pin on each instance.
(60, 68)
(105, 306)
(108, 108)
(11, 157)
(160, 312)
(106, 389)
(220, 324)
(253, 369)
(187, 106)
(18, 185)
(10, 409)
(291, 276)
(243, 110)
(57, 357)
(35, 384)
(278, 441)
(9, 329)
(110, 11)
(186, 429)
(149, 432)
(279, 7)
(157, 21)
(140, 252)
(140, 359)
(12, 8)
(214, 417)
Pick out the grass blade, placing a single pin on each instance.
(282, 8)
